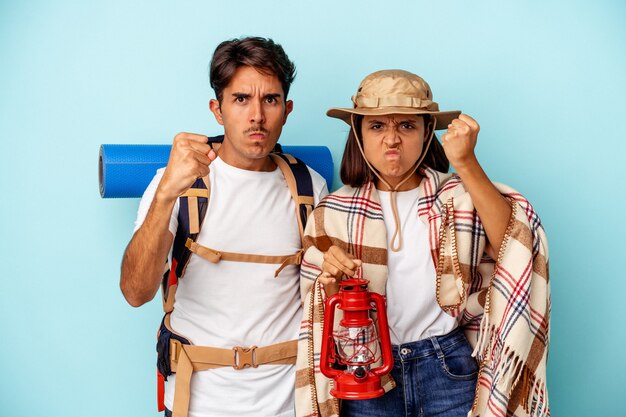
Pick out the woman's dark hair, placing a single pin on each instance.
(355, 172)
(262, 54)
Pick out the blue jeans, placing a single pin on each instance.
(434, 377)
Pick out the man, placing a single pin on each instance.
(229, 304)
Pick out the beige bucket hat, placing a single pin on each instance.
(394, 92)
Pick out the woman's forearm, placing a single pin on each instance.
(493, 209)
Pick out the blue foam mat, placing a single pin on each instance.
(126, 170)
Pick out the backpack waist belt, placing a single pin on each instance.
(215, 256)
(185, 359)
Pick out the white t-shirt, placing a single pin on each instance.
(237, 303)
(412, 308)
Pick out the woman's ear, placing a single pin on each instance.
(428, 126)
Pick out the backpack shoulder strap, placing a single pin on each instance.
(192, 210)
(300, 184)
(215, 142)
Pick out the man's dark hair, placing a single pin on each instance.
(262, 54)
(355, 172)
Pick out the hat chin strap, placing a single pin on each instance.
(393, 191)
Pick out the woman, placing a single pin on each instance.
(462, 262)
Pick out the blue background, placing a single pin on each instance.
(546, 81)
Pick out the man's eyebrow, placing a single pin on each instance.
(247, 95)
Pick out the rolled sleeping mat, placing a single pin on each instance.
(125, 171)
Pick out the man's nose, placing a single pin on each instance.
(257, 115)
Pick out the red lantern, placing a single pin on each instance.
(355, 344)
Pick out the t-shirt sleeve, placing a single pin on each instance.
(320, 188)
(146, 202)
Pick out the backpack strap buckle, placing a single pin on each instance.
(175, 347)
(245, 357)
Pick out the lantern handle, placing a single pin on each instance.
(383, 333)
(327, 339)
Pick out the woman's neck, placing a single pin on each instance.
(413, 182)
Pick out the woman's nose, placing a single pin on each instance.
(391, 138)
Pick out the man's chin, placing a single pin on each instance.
(261, 147)
(258, 150)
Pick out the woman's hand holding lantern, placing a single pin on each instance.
(336, 264)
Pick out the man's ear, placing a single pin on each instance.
(288, 109)
(216, 109)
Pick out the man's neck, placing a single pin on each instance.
(236, 160)
(264, 165)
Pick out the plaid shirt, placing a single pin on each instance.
(503, 304)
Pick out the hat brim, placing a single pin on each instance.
(443, 117)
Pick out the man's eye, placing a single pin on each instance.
(407, 126)
(270, 100)
(376, 126)
(240, 99)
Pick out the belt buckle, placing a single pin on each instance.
(244, 357)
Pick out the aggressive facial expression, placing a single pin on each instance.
(393, 144)
(253, 111)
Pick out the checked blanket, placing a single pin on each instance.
(503, 304)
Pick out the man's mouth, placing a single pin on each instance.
(257, 133)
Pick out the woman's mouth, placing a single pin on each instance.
(392, 154)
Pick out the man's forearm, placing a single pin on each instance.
(144, 258)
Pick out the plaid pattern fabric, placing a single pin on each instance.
(503, 304)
